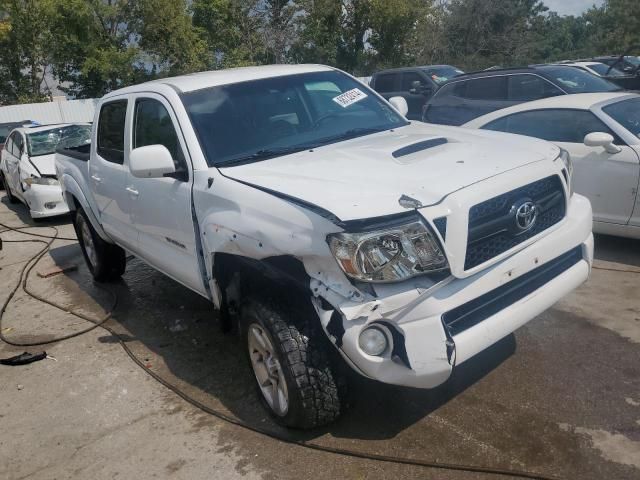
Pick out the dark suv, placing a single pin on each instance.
(415, 84)
(475, 94)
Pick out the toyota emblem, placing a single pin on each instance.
(526, 216)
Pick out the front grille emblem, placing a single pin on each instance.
(526, 214)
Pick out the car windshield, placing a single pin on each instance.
(574, 80)
(45, 142)
(442, 74)
(626, 113)
(259, 119)
(605, 70)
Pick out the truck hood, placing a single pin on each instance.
(362, 178)
(46, 164)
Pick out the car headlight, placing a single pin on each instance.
(568, 165)
(388, 254)
(41, 181)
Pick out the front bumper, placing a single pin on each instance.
(430, 348)
(45, 201)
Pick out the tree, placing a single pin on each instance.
(93, 52)
(24, 50)
(394, 26)
(479, 33)
(319, 25)
(231, 31)
(165, 34)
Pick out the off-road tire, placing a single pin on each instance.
(10, 196)
(109, 261)
(303, 352)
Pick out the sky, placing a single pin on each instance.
(571, 7)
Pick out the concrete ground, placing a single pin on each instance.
(561, 397)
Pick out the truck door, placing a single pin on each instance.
(161, 207)
(107, 174)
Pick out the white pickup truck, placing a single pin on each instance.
(319, 221)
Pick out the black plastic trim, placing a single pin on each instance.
(471, 313)
(417, 147)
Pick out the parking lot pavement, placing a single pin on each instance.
(561, 397)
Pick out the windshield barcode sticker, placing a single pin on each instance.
(349, 98)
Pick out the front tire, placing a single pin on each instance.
(105, 261)
(290, 360)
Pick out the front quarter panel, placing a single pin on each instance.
(238, 219)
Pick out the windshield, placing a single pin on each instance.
(603, 70)
(626, 113)
(574, 80)
(442, 74)
(259, 119)
(45, 142)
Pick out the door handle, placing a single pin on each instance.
(96, 178)
(132, 191)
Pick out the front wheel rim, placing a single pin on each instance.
(87, 241)
(268, 370)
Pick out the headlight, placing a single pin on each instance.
(390, 254)
(568, 165)
(41, 181)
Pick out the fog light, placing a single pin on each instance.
(50, 205)
(373, 341)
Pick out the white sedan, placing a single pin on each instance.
(27, 166)
(601, 132)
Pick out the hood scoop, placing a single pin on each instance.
(418, 147)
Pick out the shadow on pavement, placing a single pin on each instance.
(617, 249)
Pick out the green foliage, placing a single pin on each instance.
(91, 47)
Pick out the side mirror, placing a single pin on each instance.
(152, 161)
(601, 139)
(400, 104)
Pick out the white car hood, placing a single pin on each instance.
(360, 178)
(46, 164)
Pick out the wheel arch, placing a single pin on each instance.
(75, 198)
(237, 276)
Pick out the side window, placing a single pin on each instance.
(18, 144)
(385, 83)
(570, 126)
(490, 88)
(153, 126)
(459, 89)
(111, 131)
(9, 145)
(524, 88)
(408, 78)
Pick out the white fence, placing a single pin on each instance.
(51, 112)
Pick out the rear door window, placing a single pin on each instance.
(385, 82)
(153, 126)
(555, 125)
(490, 88)
(111, 124)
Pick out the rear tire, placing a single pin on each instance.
(290, 359)
(106, 262)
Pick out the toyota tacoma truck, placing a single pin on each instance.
(326, 228)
